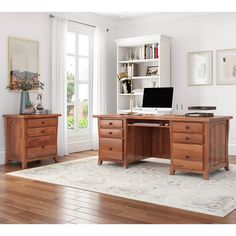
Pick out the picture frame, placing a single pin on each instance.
(226, 67)
(23, 60)
(152, 71)
(200, 68)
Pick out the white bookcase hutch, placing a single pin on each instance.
(135, 55)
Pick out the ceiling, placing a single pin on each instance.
(136, 15)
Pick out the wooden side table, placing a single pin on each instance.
(30, 137)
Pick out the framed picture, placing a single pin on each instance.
(152, 71)
(226, 66)
(200, 68)
(22, 60)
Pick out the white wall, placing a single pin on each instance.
(34, 26)
(195, 33)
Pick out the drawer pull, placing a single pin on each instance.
(110, 149)
(43, 131)
(187, 157)
(42, 147)
(187, 127)
(110, 132)
(187, 138)
(110, 123)
(43, 122)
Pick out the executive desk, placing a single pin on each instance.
(193, 144)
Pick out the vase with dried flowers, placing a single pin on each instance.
(25, 85)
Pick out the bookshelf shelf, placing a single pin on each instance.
(139, 61)
(151, 51)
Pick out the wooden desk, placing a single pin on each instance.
(194, 144)
(31, 137)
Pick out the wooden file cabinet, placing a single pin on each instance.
(110, 140)
(31, 137)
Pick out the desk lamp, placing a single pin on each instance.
(123, 76)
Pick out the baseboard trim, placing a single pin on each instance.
(232, 149)
(79, 146)
(2, 157)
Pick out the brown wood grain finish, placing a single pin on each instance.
(34, 132)
(187, 127)
(111, 124)
(44, 122)
(30, 137)
(191, 152)
(111, 148)
(34, 153)
(41, 141)
(111, 133)
(198, 145)
(187, 138)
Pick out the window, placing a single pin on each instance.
(79, 80)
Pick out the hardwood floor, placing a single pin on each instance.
(26, 201)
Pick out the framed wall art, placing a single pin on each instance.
(23, 61)
(226, 66)
(200, 68)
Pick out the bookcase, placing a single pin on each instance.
(146, 59)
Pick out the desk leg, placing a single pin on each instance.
(55, 159)
(172, 170)
(206, 175)
(99, 161)
(125, 165)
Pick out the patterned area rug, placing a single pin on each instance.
(147, 181)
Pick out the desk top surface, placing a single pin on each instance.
(163, 117)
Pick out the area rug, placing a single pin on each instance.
(147, 181)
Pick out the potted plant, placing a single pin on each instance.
(25, 85)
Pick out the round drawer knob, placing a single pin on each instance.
(187, 127)
(43, 122)
(43, 131)
(42, 147)
(110, 123)
(187, 157)
(110, 149)
(110, 132)
(187, 138)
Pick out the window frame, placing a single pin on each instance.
(76, 28)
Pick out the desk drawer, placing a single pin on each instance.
(187, 138)
(42, 141)
(187, 152)
(188, 127)
(42, 122)
(34, 132)
(37, 152)
(111, 133)
(111, 124)
(111, 148)
(188, 165)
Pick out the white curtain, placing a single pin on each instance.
(99, 79)
(59, 31)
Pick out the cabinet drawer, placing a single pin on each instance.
(111, 133)
(111, 124)
(34, 153)
(111, 148)
(34, 132)
(188, 165)
(187, 138)
(42, 122)
(42, 141)
(188, 127)
(188, 152)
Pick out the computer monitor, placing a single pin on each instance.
(157, 99)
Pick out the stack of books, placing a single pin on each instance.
(204, 111)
